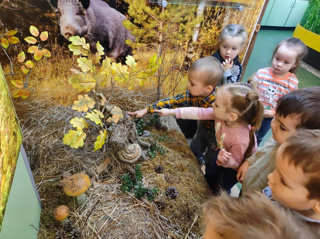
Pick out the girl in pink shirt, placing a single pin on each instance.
(238, 113)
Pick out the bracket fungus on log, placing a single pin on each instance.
(76, 185)
(130, 153)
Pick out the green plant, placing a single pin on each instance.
(134, 183)
(36, 49)
(154, 148)
(91, 74)
(311, 17)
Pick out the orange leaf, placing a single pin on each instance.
(30, 40)
(44, 36)
(32, 49)
(13, 40)
(4, 43)
(21, 93)
(46, 53)
(21, 57)
(34, 31)
(24, 69)
(11, 33)
(37, 55)
(29, 64)
(17, 83)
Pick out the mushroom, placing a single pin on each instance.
(76, 185)
(61, 213)
(130, 153)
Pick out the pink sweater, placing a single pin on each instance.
(233, 140)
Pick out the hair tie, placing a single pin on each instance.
(252, 127)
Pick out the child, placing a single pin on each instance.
(237, 112)
(251, 216)
(295, 182)
(297, 109)
(231, 40)
(203, 77)
(279, 79)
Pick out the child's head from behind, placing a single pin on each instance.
(250, 216)
(204, 75)
(295, 110)
(287, 56)
(231, 40)
(239, 102)
(295, 183)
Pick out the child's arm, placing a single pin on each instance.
(231, 159)
(138, 113)
(194, 113)
(243, 170)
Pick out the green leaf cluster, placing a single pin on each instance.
(311, 17)
(134, 184)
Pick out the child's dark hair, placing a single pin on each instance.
(304, 103)
(303, 150)
(245, 99)
(211, 68)
(233, 30)
(293, 42)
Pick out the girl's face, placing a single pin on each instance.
(283, 127)
(284, 59)
(230, 47)
(221, 104)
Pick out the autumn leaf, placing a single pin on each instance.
(13, 40)
(46, 53)
(44, 36)
(130, 61)
(25, 70)
(79, 123)
(32, 49)
(116, 111)
(84, 103)
(101, 79)
(101, 139)
(29, 64)
(34, 31)
(75, 71)
(119, 71)
(74, 139)
(85, 64)
(38, 55)
(78, 50)
(23, 93)
(17, 83)
(11, 33)
(104, 165)
(4, 43)
(83, 82)
(95, 116)
(114, 119)
(79, 41)
(106, 65)
(30, 40)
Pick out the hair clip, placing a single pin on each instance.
(252, 127)
(245, 96)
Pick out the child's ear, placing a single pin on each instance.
(209, 88)
(233, 116)
(316, 207)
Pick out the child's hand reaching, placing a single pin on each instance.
(138, 113)
(243, 170)
(165, 112)
(268, 114)
(223, 158)
(227, 64)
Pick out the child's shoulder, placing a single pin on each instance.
(266, 70)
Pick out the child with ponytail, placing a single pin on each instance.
(238, 113)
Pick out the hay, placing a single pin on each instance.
(108, 212)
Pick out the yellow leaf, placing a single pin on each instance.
(95, 116)
(78, 50)
(130, 61)
(30, 40)
(21, 93)
(85, 64)
(46, 53)
(17, 83)
(82, 82)
(75, 71)
(29, 64)
(38, 55)
(32, 49)
(74, 138)
(119, 72)
(13, 40)
(79, 123)
(105, 68)
(34, 31)
(77, 41)
(11, 33)
(116, 111)
(44, 36)
(101, 79)
(84, 103)
(103, 166)
(21, 57)
(25, 70)
(4, 43)
(101, 139)
(100, 49)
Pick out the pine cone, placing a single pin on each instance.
(172, 192)
(158, 169)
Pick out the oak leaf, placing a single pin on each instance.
(120, 72)
(101, 139)
(130, 61)
(95, 116)
(79, 123)
(83, 82)
(83, 104)
(85, 64)
(74, 138)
